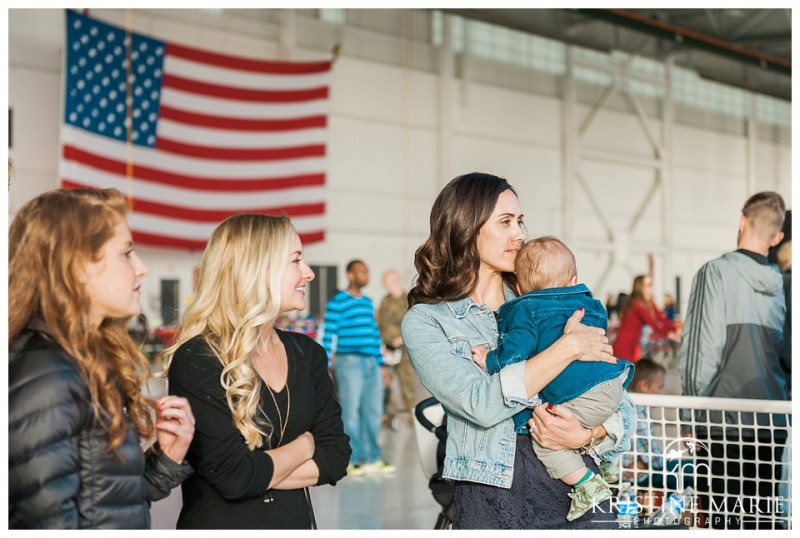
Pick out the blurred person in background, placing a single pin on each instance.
(653, 468)
(353, 345)
(393, 307)
(670, 308)
(781, 255)
(732, 345)
(638, 312)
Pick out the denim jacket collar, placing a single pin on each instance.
(460, 307)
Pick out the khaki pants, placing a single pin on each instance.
(592, 408)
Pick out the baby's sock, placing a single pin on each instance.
(589, 474)
(589, 491)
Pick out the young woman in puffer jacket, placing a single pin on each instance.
(76, 412)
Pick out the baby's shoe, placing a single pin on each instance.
(609, 472)
(589, 494)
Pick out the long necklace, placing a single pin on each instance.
(282, 421)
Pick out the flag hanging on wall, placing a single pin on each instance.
(195, 136)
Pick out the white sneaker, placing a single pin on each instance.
(379, 466)
(355, 470)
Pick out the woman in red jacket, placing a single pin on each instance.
(640, 310)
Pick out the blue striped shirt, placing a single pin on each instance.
(352, 321)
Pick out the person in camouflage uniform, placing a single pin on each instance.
(390, 315)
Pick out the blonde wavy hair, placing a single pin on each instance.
(238, 293)
(51, 238)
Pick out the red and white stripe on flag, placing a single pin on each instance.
(211, 134)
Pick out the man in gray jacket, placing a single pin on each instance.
(732, 338)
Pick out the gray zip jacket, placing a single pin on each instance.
(733, 331)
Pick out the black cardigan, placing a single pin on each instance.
(229, 488)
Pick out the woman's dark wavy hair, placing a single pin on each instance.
(447, 262)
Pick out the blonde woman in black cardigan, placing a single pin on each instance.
(268, 425)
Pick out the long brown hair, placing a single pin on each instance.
(447, 262)
(637, 294)
(50, 239)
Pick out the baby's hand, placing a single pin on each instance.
(479, 354)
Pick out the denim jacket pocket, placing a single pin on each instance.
(459, 346)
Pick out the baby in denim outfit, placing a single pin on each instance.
(528, 324)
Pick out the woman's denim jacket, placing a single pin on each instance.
(481, 442)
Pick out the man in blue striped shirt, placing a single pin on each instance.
(353, 344)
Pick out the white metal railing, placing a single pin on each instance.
(725, 449)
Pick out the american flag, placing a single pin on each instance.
(210, 134)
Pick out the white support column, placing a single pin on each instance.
(466, 72)
(287, 34)
(446, 69)
(620, 244)
(569, 141)
(408, 246)
(667, 179)
(752, 145)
